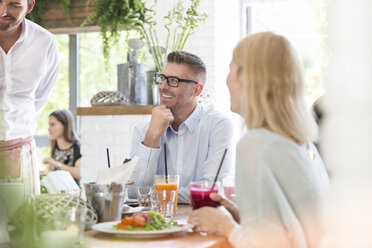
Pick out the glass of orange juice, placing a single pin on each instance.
(169, 182)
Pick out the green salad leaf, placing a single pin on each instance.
(154, 221)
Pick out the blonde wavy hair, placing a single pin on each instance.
(273, 87)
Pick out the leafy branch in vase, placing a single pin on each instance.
(181, 22)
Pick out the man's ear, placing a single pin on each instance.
(30, 6)
(198, 89)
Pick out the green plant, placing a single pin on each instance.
(36, 15)
(116, 15)
(181, 22)
(65, 4)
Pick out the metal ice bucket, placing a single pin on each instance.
(107, 199)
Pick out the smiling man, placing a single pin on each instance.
(28, 71)
(195, 137)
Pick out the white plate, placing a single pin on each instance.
(108, 227)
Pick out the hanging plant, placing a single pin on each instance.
(116, 15)
(36, 15)
(65, 4)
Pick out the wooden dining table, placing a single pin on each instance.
(95, 239)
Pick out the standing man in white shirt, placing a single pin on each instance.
(28, 70)
(195, 137)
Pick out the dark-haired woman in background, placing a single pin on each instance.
(65, 152)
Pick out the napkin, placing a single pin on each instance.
(59, 180)
(117, 174)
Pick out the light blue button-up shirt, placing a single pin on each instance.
(194, 151)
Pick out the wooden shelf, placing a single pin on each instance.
(115, 110)
(56, 21)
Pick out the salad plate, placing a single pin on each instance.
(108, 227)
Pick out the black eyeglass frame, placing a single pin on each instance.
(179, 80)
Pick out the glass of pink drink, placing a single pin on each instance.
(200, 194)
(228, 186)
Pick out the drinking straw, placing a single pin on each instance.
(108, 157)
(165, 163)
(219, 168)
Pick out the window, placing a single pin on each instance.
(296, 20)
(95, 75)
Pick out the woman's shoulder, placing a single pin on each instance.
(269, 145)
(258, 137)
(255, 143)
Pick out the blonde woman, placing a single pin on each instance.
(280, 177)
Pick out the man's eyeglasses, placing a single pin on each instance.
(171, 81)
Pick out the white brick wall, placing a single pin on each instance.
(105, 131)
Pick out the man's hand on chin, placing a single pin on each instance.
(161, 118)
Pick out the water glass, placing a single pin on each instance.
(4, 235)
(169, 182)
(143, 197)
(154, 199)
(165, 200)
(68, 229)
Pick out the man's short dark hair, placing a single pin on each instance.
(192, 61)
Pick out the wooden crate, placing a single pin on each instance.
(56, 21)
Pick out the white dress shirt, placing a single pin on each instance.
(27, 76)
(194, 151)
(280, 188)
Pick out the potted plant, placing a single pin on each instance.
(181, 22)
(115, 15)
